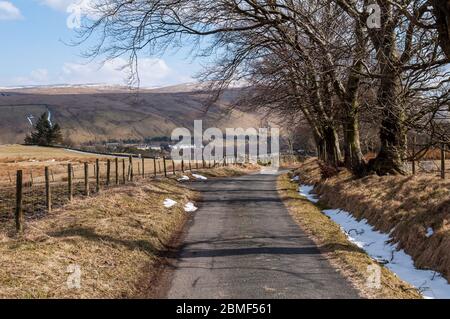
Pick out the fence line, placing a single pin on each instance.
(429, 165)
(39, 195)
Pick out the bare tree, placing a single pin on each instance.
(305, 60)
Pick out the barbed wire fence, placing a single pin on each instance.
(32, 193)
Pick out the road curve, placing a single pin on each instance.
(242, 243)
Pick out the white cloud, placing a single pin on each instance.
(152, 72)
(9, 11)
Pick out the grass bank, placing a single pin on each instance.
(115, 239)
(348, 258)
(414, 209)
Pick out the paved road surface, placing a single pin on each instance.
(243, 244)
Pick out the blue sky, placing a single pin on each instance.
(33, 34)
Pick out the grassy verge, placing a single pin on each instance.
(349, 259)
(116, 239)
(407, 207)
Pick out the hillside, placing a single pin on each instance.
(95, 113)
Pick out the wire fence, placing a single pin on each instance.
(32, 193)
(435, 162)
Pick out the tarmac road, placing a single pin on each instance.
(243, 243)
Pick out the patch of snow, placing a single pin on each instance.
(430, 283)
(307, 191)
(190, 208)
(169, 203)
(183, 178)
(295, 179)
(196, 176)
(430, 232)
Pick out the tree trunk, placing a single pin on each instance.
(353, 157)
(392, 131)
(333, 147)
(328, 146)
(442, 14)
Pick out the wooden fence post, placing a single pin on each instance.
(143, 167)
(173, 167)
(443, 161)
(86, 179)
(108, 172)
(48, 195)
(190, 165)
(69, 181)
(165, 168)
(196, 164)
(154, 166)
(123, 171)
(117, 170)
(97, 175)
(19, 201)
(182, 165)
(131, 168)
(414, 156)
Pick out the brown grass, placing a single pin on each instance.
(234, 170)
(350, 260)
(116, 238)
(407, 206)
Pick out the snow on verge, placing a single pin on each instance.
(184, 178)
(169, 203)
(190, 208)
(376, 244)
(307, 191)
(196, 176)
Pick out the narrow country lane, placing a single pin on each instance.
(242, 243)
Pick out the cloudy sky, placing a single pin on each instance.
(34, 34)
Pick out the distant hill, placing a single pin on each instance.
(98, 113)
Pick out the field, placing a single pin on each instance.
(33, 160)
(95, 114)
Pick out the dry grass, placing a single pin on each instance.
(33, 159)
(406, 206)
(350, 260)
(116, 238)
(233, 170)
